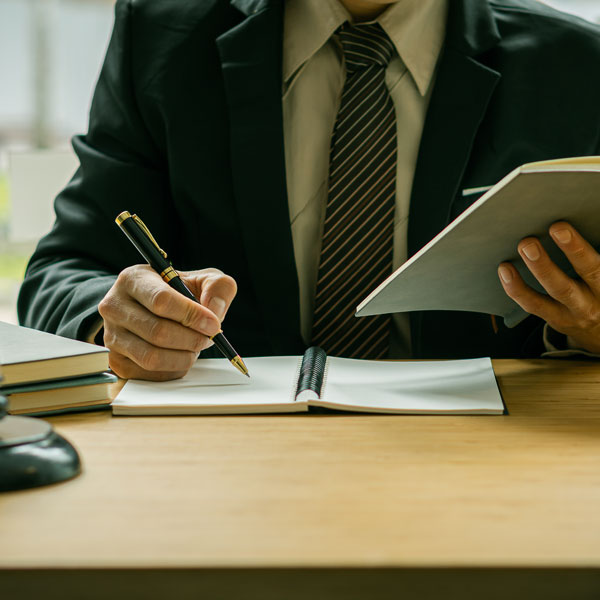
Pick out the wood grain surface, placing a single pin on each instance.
(329, 491)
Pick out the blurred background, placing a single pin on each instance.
(50, 55)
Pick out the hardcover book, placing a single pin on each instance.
(28, 355)
(457, 270)
(60, 395)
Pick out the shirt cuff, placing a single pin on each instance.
(96, 331)
(559, 345)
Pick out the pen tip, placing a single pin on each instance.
(238, 363)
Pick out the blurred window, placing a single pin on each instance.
(50, 55)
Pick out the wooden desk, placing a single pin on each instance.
(325, 506)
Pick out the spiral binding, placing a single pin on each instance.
(312, 370)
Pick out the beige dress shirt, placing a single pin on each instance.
(313, 78)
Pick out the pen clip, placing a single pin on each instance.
(147, 232)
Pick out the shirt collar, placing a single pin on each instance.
(415, 27)
(308, 25)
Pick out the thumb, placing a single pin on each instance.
(213, 288)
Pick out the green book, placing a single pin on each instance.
(60, 395)
(28, 355)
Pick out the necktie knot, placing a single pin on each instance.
(365, 45)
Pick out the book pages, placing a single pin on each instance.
(417, 387)
(213, 386)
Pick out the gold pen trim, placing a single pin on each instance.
(127, 215)
(147, 232)
(122, 217)
(168, 274)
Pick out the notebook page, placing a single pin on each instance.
(213, 386)
(424, 387)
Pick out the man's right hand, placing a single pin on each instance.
(154, 332)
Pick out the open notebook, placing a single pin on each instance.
(285, 384)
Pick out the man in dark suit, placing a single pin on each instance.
(188, 129)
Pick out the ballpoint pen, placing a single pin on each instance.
(139, 235)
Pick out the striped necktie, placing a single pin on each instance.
(357, 243)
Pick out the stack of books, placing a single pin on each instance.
(42, 373)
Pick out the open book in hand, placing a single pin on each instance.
(285, 384)
(457, 270)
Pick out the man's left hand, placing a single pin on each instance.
(572, 306)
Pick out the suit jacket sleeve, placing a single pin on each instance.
(120, 169)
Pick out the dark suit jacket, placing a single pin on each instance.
(186, 130)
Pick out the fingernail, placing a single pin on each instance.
(505, 274)
(531, 251)
(562, 235)
(218, 306)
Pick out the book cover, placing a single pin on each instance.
(59, 395)
(457, 270)
(28, 355)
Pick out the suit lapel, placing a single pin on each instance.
(251, 66)
(463, 89)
